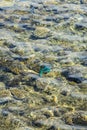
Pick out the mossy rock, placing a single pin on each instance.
(80, 118)
(41, 33)
(15, 67)
(76, 118)
(17, 93)
(5, 93)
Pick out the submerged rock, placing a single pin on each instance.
(78, 118)
(36, 35)
(17, 93)
(16, 110)
(74, 74)
(5, 100)
(73, 77)
(42, 84)
(5, 112)
(41, 33)
(81, 26)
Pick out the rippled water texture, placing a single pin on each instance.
(43, 64)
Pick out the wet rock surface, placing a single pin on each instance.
(76, 74)
(34, 34)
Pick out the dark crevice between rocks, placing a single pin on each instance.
(36, 124)
(52, 128)
(28, 28)
(72, 77)
(33, 37)
(2, 25)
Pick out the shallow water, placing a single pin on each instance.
(36, 34)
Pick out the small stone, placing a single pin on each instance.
(5, 93)
(48, 113)
(42, 84)
(64, 93)
(54, 99)
(5, 112)
(17, 93)
(40, 33)
(57, 113)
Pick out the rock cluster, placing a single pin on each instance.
(43, 65)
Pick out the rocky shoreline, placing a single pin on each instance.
(36, 34)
